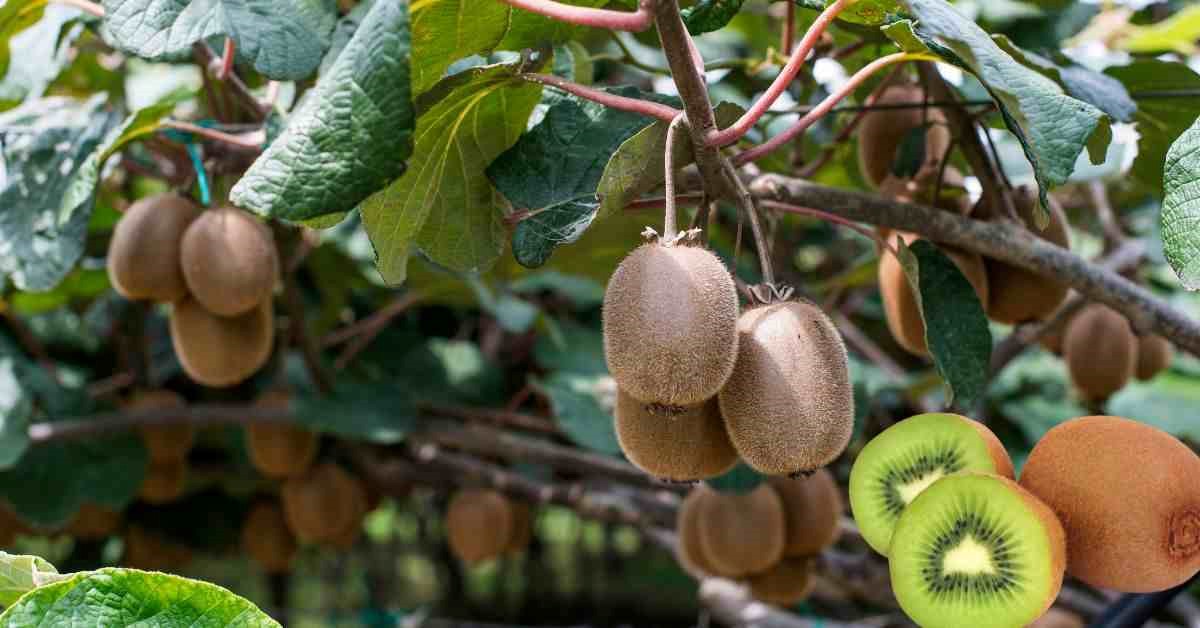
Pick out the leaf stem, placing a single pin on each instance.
(249, 141)
(830, 218)
(84, 5)
(746, 202)
(635, 21)
(227, 56)
(636, 105)
(669, 224)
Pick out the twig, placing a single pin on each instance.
(210, 62)
(300, 336)
(747, 205)
(374, 323)
(789, 28)
(84, 5)
(195, 414)
(635, 21)
(867, 347)
(847, 130)
(659, 202)
(1105, 213)
(499, 417)
(250, 141)
(111, 384)
(650, 108)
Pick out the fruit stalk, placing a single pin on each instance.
(746, 203)
(669, 224)
(635, 21)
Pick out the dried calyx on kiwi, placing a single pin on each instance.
(280, 450)
(812, 509)
(221, 351)
(742, 533)
(678, 445)
(229, 261)
(479, 524)
(267, 539)
(170, 440)
(883, 132)
(905, 459)
(787, 583)
(1100, 350)
(789, 406)
(976, 550)
(143, 255)
(1016, 295)
(670, 317)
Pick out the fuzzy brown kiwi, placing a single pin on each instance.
(786, 584)
(151, 551)
(143, 255)
(164, 482)
(218, 351)
(789, 406)
(267, 539)
(522, 532)
(1016, 295)
(900, 304)
(1058, 618)
(1119, 487)
(670, 324)
(690, 551)
(742, 533)
(320, 504)
(358, 505)
(479, 524)
(812, 509)
(280, 450)
(92, 523)
(680, 445)
(169, 441)
(1154, 355)
(229, 261)
(882, 131)
(1100, 351)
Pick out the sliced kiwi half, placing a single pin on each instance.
(976, 549)
(909, 456)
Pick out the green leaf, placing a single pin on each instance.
(46, 142)
(956, 328)
(350, 137)
(582, 405)
(1167, 402)
(49, 40)
(16, 408)
(1181, 207)
(21, 574)
(575, 348)
(1177, 33)
(738, 480)
(530, 30)
(281, 39)
(1053, 127)
(581, 291)
(911, 153)
(869, 12)
(377, 411)
(127, 597)
(443, 203)
(1101, 90)
(444, 31)
(343, 32)
(16, 16)
(1159, 119)
(707, 16)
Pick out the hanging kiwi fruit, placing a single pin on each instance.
(882, 132)
(681, 445)
(164, 482)
(742, 533)
(690, 550)
(267, 539)
(220, 351)
(93, 522)
(812, 509)
(1016, 295)
(229, 261)
(170, 440)
(151, 551)
(785, 584)
(320, 505)
(143, 255)
(1100, 350)
(479, 524)
(280, 450)
(1154, 355)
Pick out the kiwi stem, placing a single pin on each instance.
(635, 105)
(635, 21)
(789, 29)
(227, 56)
(669, 224)
(830, 218)
(746, 202)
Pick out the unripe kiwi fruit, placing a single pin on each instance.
(882, 131)
(229, 261)
(742, 533)
(789, 406)
(690, 550)
(786, 584)
(218, 351)
(812, 509)
(143, 255)
(522, 532)
(1100, 350)
(670, 318)
(682, 445)
(1154, 355)
(164, 482)
(267, 539)
(479, 524)
(1016, 295)
(150, 551)
(92, 523)
(321, 504)
(169, 441)
(900, 303)
(1127, 498)
(280, 450)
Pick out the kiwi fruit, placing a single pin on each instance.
(221, 351)
(93, 522)
(166, 442)
(522, 532)
(358, 505)
(321, 504)
(479, 524)
(785, 584)
(1058, 618)
(1123, 493)
(164, 482)
(900, 306)
(1100, 350)
(975, 549)
(670, 324)
(267, 539)
(903, 460)
(229, 261)
(143, 255)
(742, 533)
(881, 132)
(1154, 355)
(280, 450)
(789, 406)
(1016, 295)
(812, 509)
(682, 445)
(690, 551)
(151, 551)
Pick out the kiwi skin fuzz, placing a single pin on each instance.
(789, 406)
(812, 509)
(217, 351)
(742, 534)
(167, 442)
(479, 524)
(1016, 295)
(229, 261)
(143, 255)
(786, 584)
(690, 551)
(1121, 490)
(1100, 350)
(881, 132)
(682, 446)
(267, 539)
(280, 450)
(670, 324)
(1154, 355)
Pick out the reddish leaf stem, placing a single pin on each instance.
(830, 218)
(227, 60)
(789, 28)
(638, 20)
(636, 105)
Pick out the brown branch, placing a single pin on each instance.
(1105, 213)
(499, 417)
(211, 64)
(197, 414)
(374, 323)
(300, 336)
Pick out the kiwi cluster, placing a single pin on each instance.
(1103, 354)
(702, 384)
(767, 537)
(280, 450)
(325, 506)
(484, 524)
(966, 544)
(218, 269)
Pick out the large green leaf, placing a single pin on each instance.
(870, 12)
(46, 142)
(444, 204)
(530, 30)
(582, 405)
(1181, 207)
(1053, 127)
(127, 597)
(16, 408)
(1167, 402)
(49, 40)
(281, 39)
(1101, 90)
(1177, 33)
(378, 411)
(15, 17)
(707, 16)
(444, 31)
(21, 574)
(1160, 117)
(352, 134)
